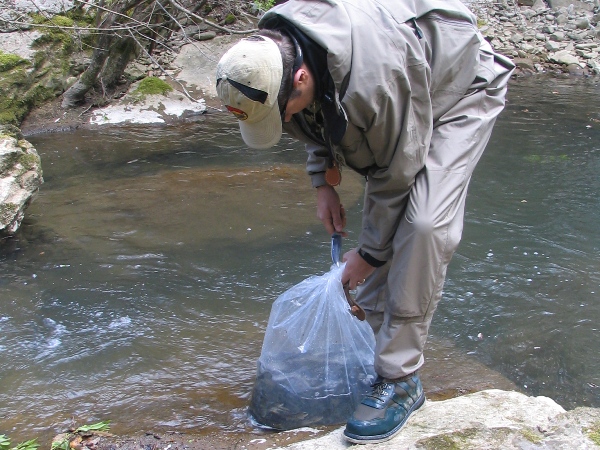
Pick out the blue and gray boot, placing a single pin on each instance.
(384, 411)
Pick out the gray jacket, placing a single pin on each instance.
(394, 75)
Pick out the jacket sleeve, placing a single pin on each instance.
(316, 165)
(396, 119)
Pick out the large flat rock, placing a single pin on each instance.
(198, 61)
(491, 419)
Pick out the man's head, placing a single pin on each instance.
(248, 81)
(255, 80)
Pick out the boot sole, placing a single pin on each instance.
(377, 438)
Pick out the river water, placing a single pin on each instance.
(139, 286)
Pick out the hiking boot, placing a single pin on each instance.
(384, 411)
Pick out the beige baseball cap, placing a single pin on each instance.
(248, 82)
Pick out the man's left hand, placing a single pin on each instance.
(357, 270)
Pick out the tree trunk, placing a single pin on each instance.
(75, 95)
(121, 53)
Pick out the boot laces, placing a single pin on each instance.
(380, 390)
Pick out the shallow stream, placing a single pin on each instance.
(139, 286)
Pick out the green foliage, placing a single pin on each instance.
(230, 19)
(100, 426)
(28, 445)
(88, 41)
(264, 5)
(63, 444)
(9, 61)
(16, 77)
(56, 36)
(4, 440)
(152, 86)
(9, 131)
(60, 445)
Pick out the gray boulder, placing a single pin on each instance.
(20, 179)
(564, 57)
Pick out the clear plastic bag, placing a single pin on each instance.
(317, 359)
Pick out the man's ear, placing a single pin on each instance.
(301, 76)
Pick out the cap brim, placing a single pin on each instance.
(263, 134)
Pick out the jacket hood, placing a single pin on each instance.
(329, 23)
(326, 22)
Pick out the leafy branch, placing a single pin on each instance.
(264, 5)
(65, 441)
(27, 445)
(61, 444)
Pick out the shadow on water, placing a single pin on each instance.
(140, 284)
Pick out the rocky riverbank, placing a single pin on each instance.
(490, 419)
(557, 35)
(561, 36)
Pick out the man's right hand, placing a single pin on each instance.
(330, 211)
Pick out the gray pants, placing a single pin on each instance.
(401, 297)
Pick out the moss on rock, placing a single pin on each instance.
(30, 161)
(26, 84)
(457, 440)
(10, 131)
(55, 31)
(62, 21)
(532, 436)
(151, 86)
(594, 433)
(8, 211)
(14, 104)
(9, 61)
